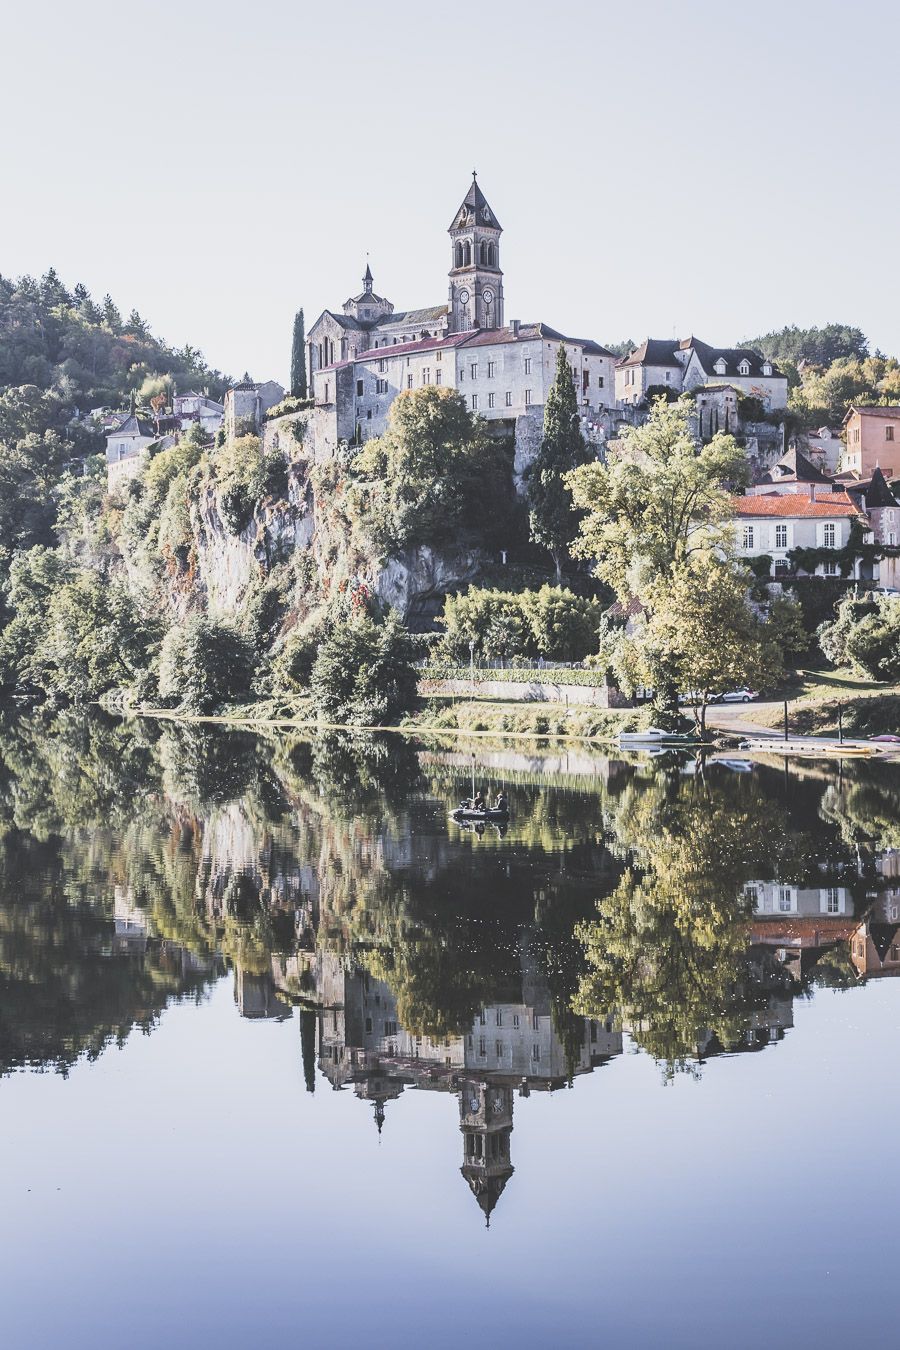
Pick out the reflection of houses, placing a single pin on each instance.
(875, 944)
(256, 996)
(509, 1046)
(799, 923)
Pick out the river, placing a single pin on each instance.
(289, 1057)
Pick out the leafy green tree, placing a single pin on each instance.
(364, 673)
(298, 357)
(820, 346)
(658, 504)
(204, 664)
(433, 474)
(553, 518)
(563, 625)
(865, 635)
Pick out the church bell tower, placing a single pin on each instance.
(476, 282)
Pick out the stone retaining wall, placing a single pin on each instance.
(599, 696)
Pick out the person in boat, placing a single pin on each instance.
(501, 804)
(478, 802)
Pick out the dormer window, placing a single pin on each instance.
(767, 368)
(744, 368)
(720, 366)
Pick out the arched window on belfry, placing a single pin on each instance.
(492, 255)
(483, 251)
(458, 255)
(467, 254)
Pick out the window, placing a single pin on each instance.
(482, 1018)
(781, 568)
(832, 900)
(829, 534)
(785, 899)
(751, 895)
(473, 370)
(492, 365)
(368, 1024)
(438, 355)
(889, 433)
(326, 391)
(527, 365)
(767, 368)
(830, 569)
(747, 538)
(854, 435)
(536, 1053)
(781, 536)
(474, 402)
(515, 1021)
(599, 381)
(527, 398)
(382, 366)
(437, 376)
(409, 381)
(499, 1017)
(482, 1046)
(498, 1049)
(462, 374)
(534, 1021)
(359, 388)
(668, 376)
(509, 398)
(426, 375)
(381, 386)
(491, 399)
(390, 1028)
(744, 368)
(892, 538)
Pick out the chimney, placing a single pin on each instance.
(514, 327)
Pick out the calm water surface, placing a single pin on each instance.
(287, 1057)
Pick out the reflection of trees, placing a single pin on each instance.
(865, 804)
(668, 951)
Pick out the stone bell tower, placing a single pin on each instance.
(485, 1119)
(476, 282)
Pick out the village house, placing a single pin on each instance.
(872, 441)
(773, 523)
(126, 448)
(246, 404)
(660, 365)
(362, 358)
(193, 407)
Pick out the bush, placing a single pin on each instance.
(552, 622)
(204, 664)
(363, 673)
(297, 655)
(245, 476)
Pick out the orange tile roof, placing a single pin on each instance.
(794, 504)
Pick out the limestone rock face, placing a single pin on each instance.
(416, 582)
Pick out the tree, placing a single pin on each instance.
(563, 625)
(552, 516)
(865, 635)
(433, 473)
(703, 630)
(364, 673)
(657, 505)
(204, 664)
(820, 346)
(298, 357)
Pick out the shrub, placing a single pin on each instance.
(363, 673)
(245, 476)
(204, 664)
(551, 622)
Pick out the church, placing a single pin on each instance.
(361, 357)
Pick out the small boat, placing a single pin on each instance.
(466, 813)
(650, 736)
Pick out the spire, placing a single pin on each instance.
(379, 1114)
(368, 278)
(475, 205)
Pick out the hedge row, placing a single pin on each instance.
(594, 679)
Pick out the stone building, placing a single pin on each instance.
(362, 358)
(661, 364)
(773, 523)
(246, 403)
(126, 448)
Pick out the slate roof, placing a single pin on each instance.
(794, 467)
(133, 425)
(653, 352)
(414, 316)
(476, 201)
(891, 411)
(732, 356)
(875, 491)
(791, 505)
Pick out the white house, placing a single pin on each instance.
(126, 448)
(659, 364)
(773, 523)
(194, 407)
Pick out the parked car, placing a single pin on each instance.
(737, 696)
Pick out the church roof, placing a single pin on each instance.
(476, 203)
(793, 467)
(487, 1188)
(415, 316)
(876, 491)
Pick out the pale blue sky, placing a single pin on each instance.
(696, 167)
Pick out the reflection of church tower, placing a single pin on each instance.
(476, 282)
(485, 1118)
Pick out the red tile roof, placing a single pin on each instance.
(795, 504)
(889, 410)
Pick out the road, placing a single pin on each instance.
(738, 717)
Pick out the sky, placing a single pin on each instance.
(658, 168)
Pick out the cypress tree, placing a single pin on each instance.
(298, 357)
(552, 517)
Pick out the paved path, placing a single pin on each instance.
(738, 717)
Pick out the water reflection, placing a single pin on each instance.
(679, 907)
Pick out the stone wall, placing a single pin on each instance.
(600, 696)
